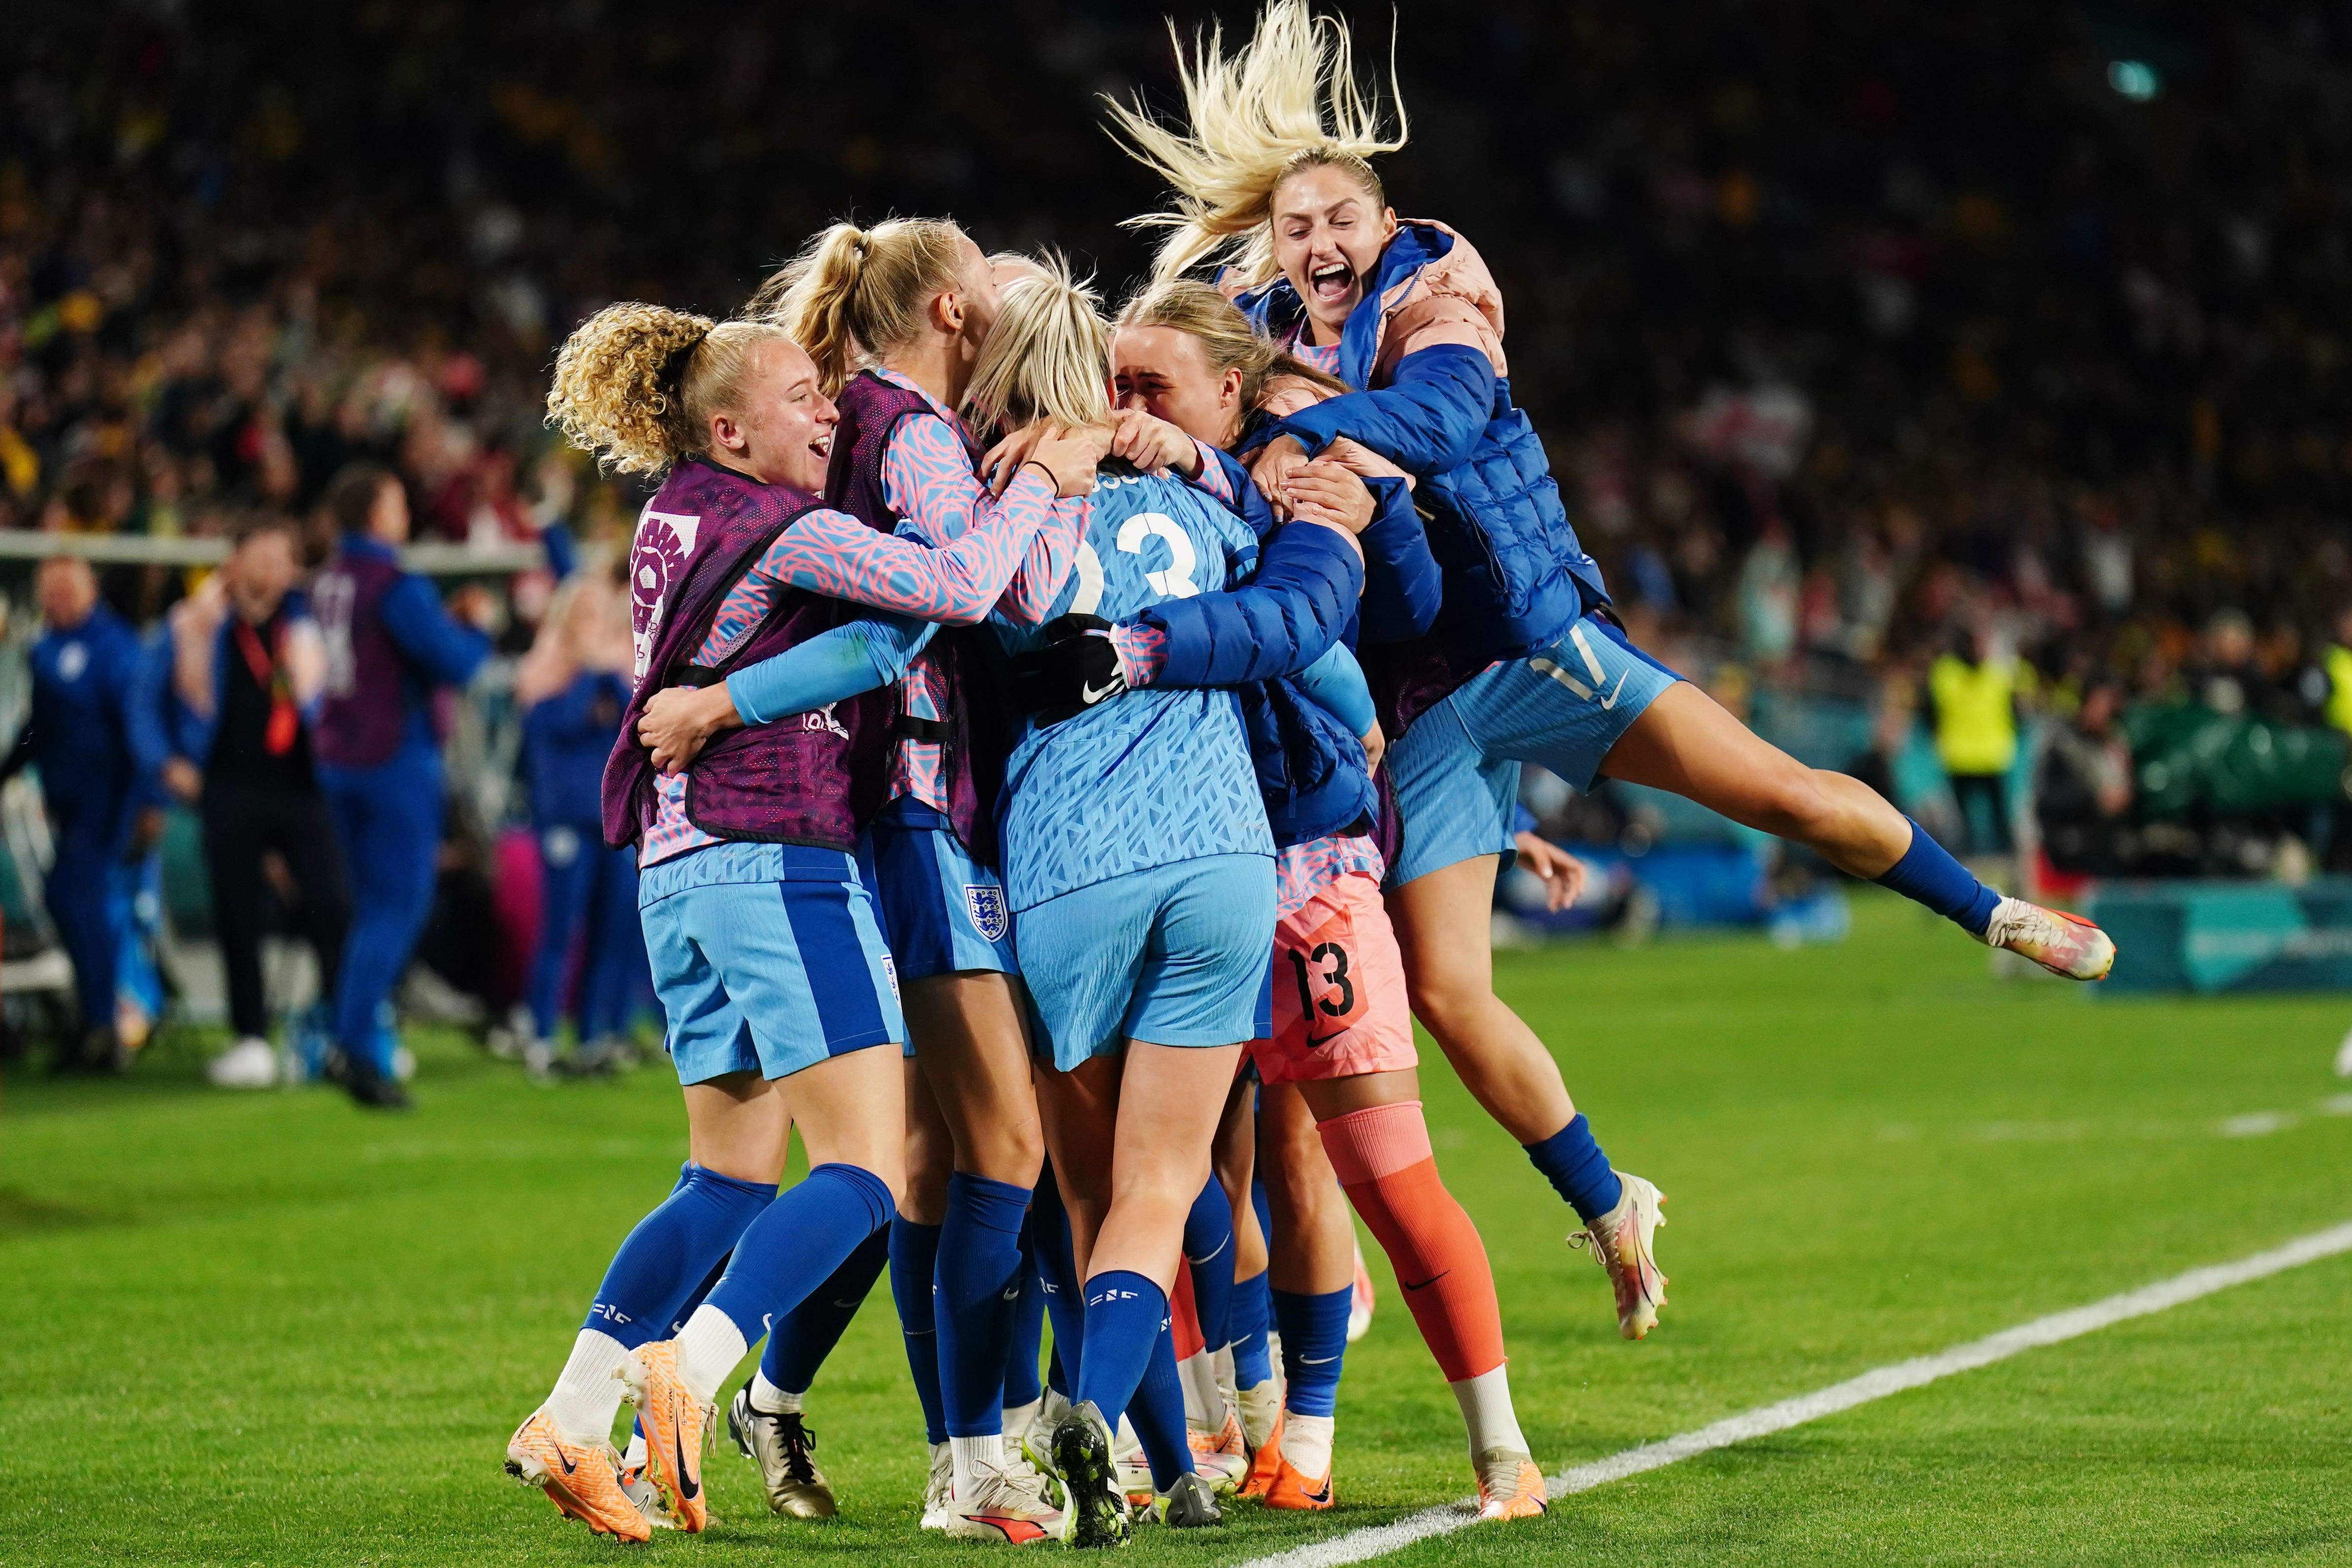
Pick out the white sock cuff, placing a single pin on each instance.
(1306, 1442)
(770, 1400)
(1487, 1412)
(587, 1394)
(707, 1349)
(971, 1454)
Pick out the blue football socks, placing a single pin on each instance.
(981, 1273)
(797, 1242)
(1209, 1254)
(672, 1251)
(1157, 1413)
(803, 1337)
(1021, 1383)
(1126, 1320)
(1928, 875)
(1057, 1269)
(1253, 1317)
(914, 1271)
(1576, 1168)
(1313, 1344)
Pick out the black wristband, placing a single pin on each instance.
(1053, 480)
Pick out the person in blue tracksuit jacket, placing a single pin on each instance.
(572, 689)
(391, 647)
(96, 735)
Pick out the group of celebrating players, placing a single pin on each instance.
(1027, 756)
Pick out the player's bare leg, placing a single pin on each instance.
(1687, 743)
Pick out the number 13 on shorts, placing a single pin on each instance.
(1338, 989)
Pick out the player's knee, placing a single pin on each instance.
(1793, 804)
(1012, 1151)
(1449, 1004)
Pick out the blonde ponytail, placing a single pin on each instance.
(637, 384)
(853, 295)
(1287, 101)
(1047, 357)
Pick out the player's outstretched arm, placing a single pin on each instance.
(860, 657)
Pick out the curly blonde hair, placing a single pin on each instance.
(1287, 101)
(1047, 357)
(856, 294)
(636, 383)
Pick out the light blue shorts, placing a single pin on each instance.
(943, 911)
(1456, 769)
(1175, 955)
(766, 957)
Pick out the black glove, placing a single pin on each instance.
(1073, 671)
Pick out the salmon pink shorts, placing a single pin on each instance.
(1340, 1006)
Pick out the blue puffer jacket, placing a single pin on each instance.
(1258, 637)
(1516, 578)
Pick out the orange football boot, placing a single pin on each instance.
(675, 1424)
(1262, 1463)
(578, 1478)
(1289, 1489)
(1509, 1486)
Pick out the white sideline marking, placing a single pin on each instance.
(1380, 1540)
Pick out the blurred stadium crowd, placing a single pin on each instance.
(1964, 393)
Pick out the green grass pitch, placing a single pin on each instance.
(270, 1329)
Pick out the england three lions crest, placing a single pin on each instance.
(986, 904)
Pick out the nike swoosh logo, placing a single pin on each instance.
(1090, 695)
(1316, 1042)
(1426, 1283)
(688, 1487)
(1610, 701)
(565, 1459)
(1316, 1361)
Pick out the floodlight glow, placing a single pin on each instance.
(2136, 79)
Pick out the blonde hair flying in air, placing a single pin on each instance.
(853, 295)
(1047, 357)
(1287, 101)
(637, 384)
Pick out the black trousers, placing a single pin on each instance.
(243, 822)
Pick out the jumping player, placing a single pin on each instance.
(1527, 663)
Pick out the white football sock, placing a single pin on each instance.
(770, 1400)
(707, 1349)
(971, 1453)
(588, 1395)
(1485, 1402)
(634, 1456)
(1306, 1442)
(1204, 1404)
(1223, 1364)
(1019, 1418)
